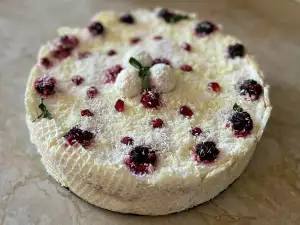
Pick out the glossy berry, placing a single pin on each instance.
(92, 92)
(215, 87)
(241, 123)
(251, 88)
(186, 46)
(186, 111)
(127, 140)
(135, 40)
(45, 85)
(150, 99)
(142, 154)
(196, 131)
(46, 63)
(236, 50)
(61, 52)
(86, 112)
(111, 52)
(111, 74)
(161, 60)
(165, 14)
(68, 41)
(77, 80)
(157, 123)
(127, 18)
(119, 105)
(205, 28)
(77, 135)
(96, 28)
(157, 38)
(206, 152)
(140, 159)
(186, 68)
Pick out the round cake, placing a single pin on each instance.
(147, 112)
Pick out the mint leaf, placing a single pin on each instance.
(237, 108)
(135, 63)
(176, 18)
(146, 82)
(144, 73)
(47, 115)
(42, 106)
(45, 112)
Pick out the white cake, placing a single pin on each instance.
(150, 113)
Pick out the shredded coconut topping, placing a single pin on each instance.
(174, 141)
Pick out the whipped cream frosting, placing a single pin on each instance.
(98, 173)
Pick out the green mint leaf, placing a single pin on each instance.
(176, 18)
(45, 113)
(135, 63)
(143, 73)
(146, 82)
(145, 76)
(42, 106)
(237, 108)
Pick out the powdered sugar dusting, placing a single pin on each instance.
(173, 142)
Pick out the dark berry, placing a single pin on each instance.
(150, 99)
(186, 68)
(157, 123)
(140, 159)
(92, 92)
(162, 60)
(127, 140)
(214, 86)
(69, 41)
(96, 28)
(196, 131)
(241, 123)
(86, 112)
(77, 135)
(111, 74)
(157, 38)
(77, 80)
(142, 154)
(236, 50)
(206, 152)
(111, 52)
(119, 106)
(83, 55)
(186, 111)
(251, 88)
(45, 85)
(204, 28)
(165, 14)
(127, 18)
(135, 40)
(186, 46)
(61, 52)
(46, 62)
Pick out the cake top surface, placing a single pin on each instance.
(151, 93)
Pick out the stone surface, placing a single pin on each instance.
(269, 190)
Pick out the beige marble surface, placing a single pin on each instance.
(269, 190)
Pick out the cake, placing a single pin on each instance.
(147, 112)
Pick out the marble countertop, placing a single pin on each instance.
(268, 193)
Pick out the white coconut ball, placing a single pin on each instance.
(140, 55)
(128, 83)
(162, 78)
